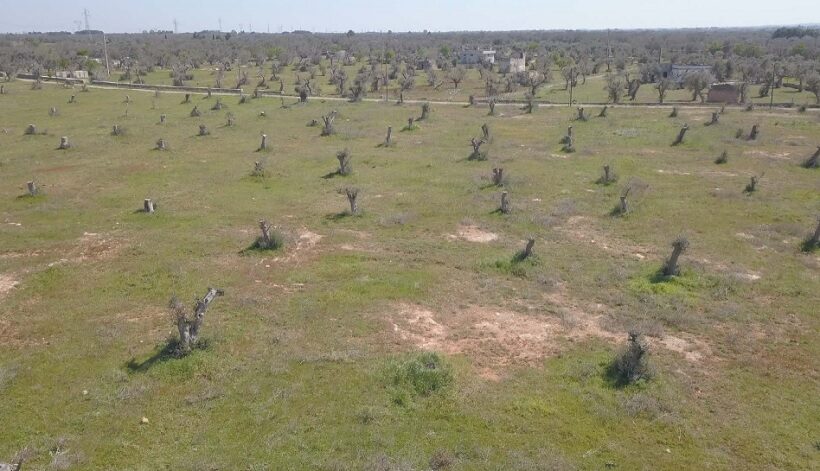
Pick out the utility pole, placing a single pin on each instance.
(176, 26)
(571, 74)
(86, 14)
(220, 25)
(105, 50)
(771, 89)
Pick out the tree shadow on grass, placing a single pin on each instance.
(333, 174)
(338, 216)
(170, 351)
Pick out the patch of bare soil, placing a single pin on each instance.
(306, 241)
(494, 339)
(582, 228)
(491, 338)
(91, 247)
(7, 283)
(770, 155)
(472, 233)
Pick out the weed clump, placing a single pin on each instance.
(423, 374)
(631, 365)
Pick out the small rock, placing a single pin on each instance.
(85, 392)
(144, 420)
(668, 450)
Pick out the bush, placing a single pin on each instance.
(422, 374)
(631, 365)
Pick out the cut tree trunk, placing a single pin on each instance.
(505, 203)
(148, 206)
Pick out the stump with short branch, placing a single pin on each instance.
(162, 144)
(674, 113)
(491, 103)
(505, 203)
(425, 111)
(754, 132)
(581, 115)
(195, 113)
(679, 246)
(32, 188)
(64, 144)
(603, 112)
(751, 187)
(270, 239)
(471, 100)
(569, 144)
(231, 120)
(258, 169)
(498, 176)
(388, 140)
(723, 158)
(187, 98)
(163, 117)
(353, 199)
(30, 130)
(813, 161)
(527, 251)
(327, 123)
(411, 124)
(343, 156)
(623, 204)
(715, 119)
(568, 137)
(631, 364)
(148, 206)
(813, 240)
(477, 154)
(72, 99)
(52, 111)
(608, 176)
(681, 135)
(203, 130)
(485, 133)
(218, 105)
(189, 325)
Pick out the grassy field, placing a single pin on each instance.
(312, 355)
(554, 92)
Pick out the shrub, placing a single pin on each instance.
(631, 364)
(422, 374)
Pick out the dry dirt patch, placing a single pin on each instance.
(7, 283)
(494, 339)
(472, 233)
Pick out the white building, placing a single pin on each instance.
(476, 57)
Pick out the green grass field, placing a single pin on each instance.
(313, 353)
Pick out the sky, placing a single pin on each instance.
(118, 16)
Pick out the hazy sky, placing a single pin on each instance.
(367, 15)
